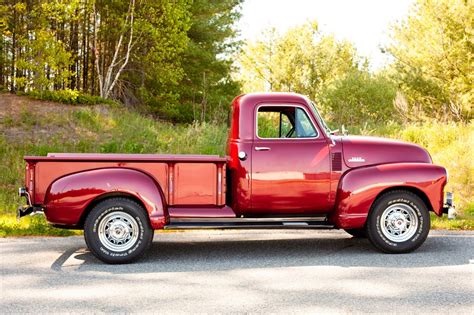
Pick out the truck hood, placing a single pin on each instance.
(363, 151)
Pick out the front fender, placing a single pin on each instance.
(68, 197)
(358, 189)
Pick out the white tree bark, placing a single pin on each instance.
(115, 68)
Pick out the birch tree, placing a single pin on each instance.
(121, 55)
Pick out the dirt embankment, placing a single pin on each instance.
(21, 117)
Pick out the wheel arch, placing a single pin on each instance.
(70, 198)
(418, 192)
(359, 189)
(104, 197)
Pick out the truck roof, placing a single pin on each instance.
(243, 110)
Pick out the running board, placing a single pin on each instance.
(249, 223)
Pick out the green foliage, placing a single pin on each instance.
(157, 57)
(357, 99)
(47, 58)
(434, 54)
(204, 88)
(303, 60)
(179, 65)
(68, 96)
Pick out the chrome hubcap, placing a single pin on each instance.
(118, 231)
(399, 222)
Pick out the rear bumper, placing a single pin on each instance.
(28, 209)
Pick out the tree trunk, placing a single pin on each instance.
(94, 53)
(73, 39)
(85, 50)
(110, 74)
(2, 61)
(13, 48)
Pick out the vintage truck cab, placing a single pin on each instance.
(284, 169)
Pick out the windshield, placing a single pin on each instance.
(320, 119)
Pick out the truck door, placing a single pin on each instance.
(290, 163)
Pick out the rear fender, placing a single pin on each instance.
(358, 189)
(68, 197)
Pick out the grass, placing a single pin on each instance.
(30, 226)
(68, 96)
(114, 129)
(463, 221)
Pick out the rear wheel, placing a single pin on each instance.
(117, 230)
(399, 222)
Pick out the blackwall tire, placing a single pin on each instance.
(117, 231)
(357, 233)
(399, 222)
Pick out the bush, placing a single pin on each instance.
(358, 98)
(68, 96)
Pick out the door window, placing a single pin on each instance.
(275, 122)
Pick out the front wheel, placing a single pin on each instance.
(117, 231)
(399, 222)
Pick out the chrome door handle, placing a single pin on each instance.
(262, 149)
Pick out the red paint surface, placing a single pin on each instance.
(201, 212)
(293, 177)
(373, 151)
(195, 183)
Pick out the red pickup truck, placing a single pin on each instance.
(284, 169)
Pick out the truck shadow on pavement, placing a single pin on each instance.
(184, 255)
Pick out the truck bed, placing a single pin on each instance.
(185, 180)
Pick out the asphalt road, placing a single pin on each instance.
(240, 272)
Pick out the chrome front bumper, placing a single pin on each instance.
(449, 208)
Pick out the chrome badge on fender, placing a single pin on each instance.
(356, 159)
